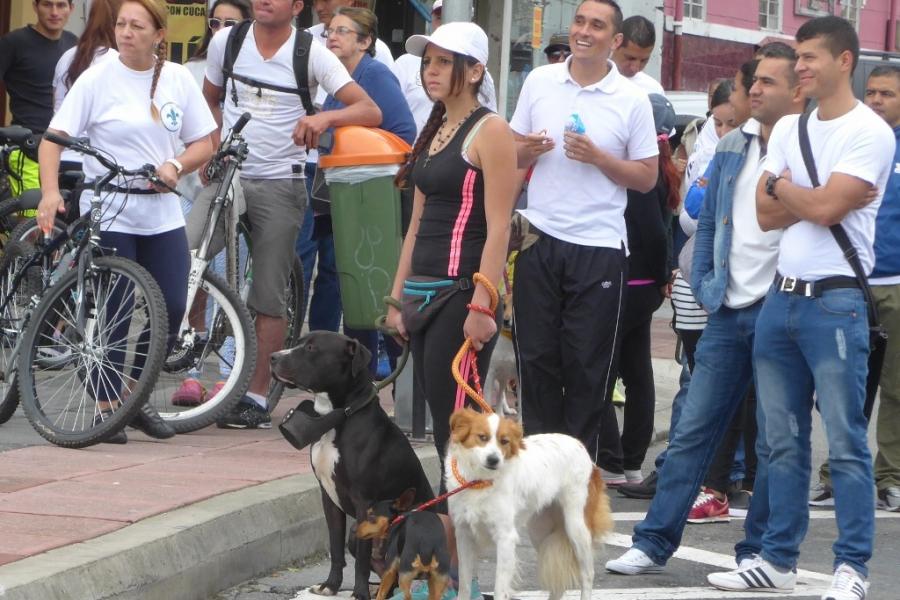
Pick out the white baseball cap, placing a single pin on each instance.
(460, 37)
(437, 4)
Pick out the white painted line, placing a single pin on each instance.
(715, 559)
(814, 515)
(672, 593)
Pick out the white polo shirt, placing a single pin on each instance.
(647, 83)
(273, 154)
(859, 143)
(570, 200)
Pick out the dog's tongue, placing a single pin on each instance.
(301, 428)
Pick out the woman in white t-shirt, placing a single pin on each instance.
(140, 109)
(96, 44)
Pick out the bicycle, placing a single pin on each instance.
(217, 341)
(92, 346)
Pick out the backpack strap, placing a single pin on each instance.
(302, 44)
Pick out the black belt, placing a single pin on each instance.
(813, 289)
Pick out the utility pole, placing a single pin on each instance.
(456, 10)
(677, 48)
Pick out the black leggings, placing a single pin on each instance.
(433, 350)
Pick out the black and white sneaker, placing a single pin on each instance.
(889, 499)
(757, 575)
(846, 584)
(821, 495)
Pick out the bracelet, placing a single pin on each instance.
(482, 309)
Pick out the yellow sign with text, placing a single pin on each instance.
(537, 27)
(187, 24)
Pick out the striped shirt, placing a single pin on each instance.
(688, 314)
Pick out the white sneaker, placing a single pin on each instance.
(634, 476)
(612, 479)
(846, 584)
(748, 561)
(633, 562)
(758, 576)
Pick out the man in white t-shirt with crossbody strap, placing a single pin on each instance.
(812, 334)
(272, 176)
(569, 284)
(632, 56)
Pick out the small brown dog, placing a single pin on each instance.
(416, 546)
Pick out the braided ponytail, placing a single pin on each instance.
(161, 52)
(428, 130)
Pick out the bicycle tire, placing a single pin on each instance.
(294, 303)
(227, 315)
(12, 319)
(8, 213)
(113, 283)
(28, 230)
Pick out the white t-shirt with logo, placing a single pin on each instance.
(111, 104)
(647, 83)
(754, 252)
(273, 154)
(570, 200)
(858, 143)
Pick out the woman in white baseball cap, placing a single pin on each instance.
(463, 165)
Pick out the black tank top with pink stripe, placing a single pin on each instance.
(453, 227)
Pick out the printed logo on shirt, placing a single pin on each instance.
(171, 116)
(897, 168)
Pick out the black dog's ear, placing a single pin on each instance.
(405, 501)
(359, 355)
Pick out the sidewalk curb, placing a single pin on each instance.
(190, 553)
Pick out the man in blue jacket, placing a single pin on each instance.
(733, 267)
(883, 96)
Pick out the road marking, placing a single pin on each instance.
(706, 557)
(672, 593)
(815, 515)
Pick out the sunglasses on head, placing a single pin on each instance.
(215, 23)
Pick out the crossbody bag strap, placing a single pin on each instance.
(837, 230)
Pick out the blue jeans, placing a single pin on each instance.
(805, 346)
(684, 383)
(722, 373)
(325, 306)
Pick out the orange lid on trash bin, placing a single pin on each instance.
(355, 145)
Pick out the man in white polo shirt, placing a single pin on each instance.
(812, 334)
(632, 56)
(272, 176)
(569, 284)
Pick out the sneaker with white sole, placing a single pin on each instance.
(612, 479)
(889, 499)
(747, 561)
(758, 576)
(709, 509)
(821, 495)
(633, 562)
(846, 584)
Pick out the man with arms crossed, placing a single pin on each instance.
(734, 263)
(812, 335)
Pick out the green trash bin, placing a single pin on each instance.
(365, 215)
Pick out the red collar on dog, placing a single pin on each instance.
(476, 483)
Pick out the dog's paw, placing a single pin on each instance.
(322, 590)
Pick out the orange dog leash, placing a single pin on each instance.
(466, 358)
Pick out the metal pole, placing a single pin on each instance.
(506, 36)
(677, 45)
(456, 10)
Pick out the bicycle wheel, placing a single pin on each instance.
(221, 360)
(12, 319)
(29, 231)
(91, 355)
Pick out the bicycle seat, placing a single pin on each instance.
(29, 199)
(18, 136)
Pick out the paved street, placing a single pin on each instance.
(706, 548)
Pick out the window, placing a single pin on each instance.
(850, 10)
(770, 14)
(693, 9)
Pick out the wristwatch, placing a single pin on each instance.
(179, 167)
(770, 185)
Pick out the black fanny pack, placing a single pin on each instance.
(424, 297)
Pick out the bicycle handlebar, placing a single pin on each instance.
(241, 122)
(82, 146)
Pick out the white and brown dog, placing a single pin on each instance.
(546, 482)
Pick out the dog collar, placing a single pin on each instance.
(358, 406)
(464, 485)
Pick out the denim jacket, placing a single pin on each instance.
(709, 277)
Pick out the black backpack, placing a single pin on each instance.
(302, 42)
